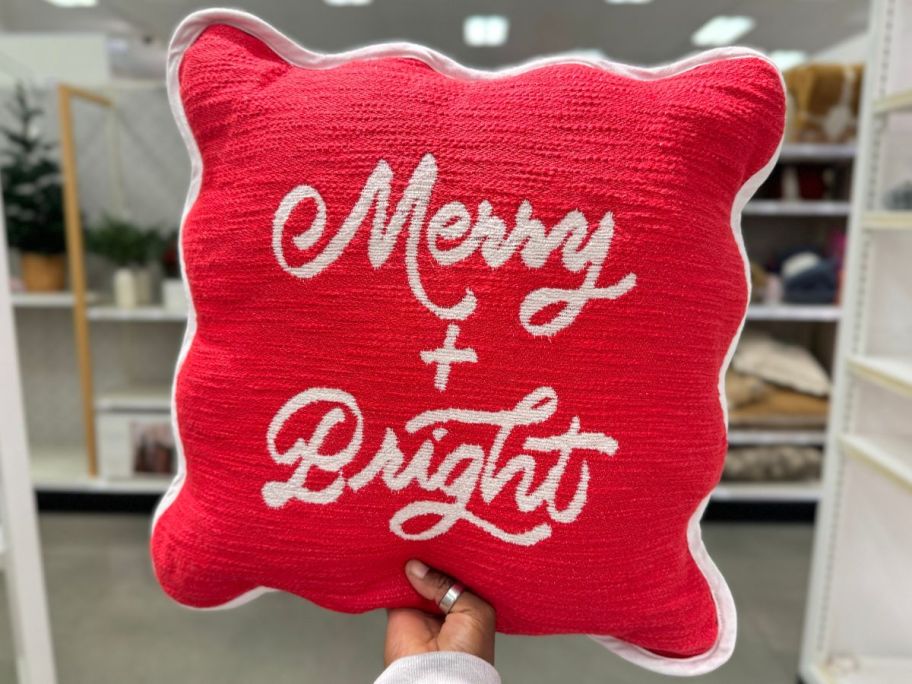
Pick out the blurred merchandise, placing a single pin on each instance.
(43, 272)
(32, 197)
(174, 295)
(130, 248)
(899, 198)
(773, 384)
(773, 293)
(809, 279)
(741, 389)
(135, 443)
(788, 365)
(774, 463)
(173, 292)
(781, 408)
(758, 281)
(823, 102)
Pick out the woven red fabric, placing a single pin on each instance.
(532, 345)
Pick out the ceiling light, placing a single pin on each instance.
(628, 2)
(347, 3)
(73, 3)
(486, 31)
(786, 59)
(722, 30)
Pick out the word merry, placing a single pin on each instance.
(481, 473)
(451, 236)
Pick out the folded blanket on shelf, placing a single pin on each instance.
(781, 408)
(781, 363)
(741, 389)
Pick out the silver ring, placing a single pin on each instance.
(450, 597)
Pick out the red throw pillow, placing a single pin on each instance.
(477, 318)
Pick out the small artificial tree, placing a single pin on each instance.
(121, 242)
(32, 196)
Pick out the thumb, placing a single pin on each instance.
(469, 625)
(432, 585)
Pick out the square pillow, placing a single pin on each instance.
(477, 318)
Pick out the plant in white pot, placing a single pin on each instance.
(174, 297)
(32, 197)
(128, 247)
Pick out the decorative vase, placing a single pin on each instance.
(43, 272)
(143, 278)
(174, 298)
(124, 285)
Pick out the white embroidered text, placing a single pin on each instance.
(451, 236)
(467, 470)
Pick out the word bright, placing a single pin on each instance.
(459, 497)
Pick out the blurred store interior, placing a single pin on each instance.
(86, 121)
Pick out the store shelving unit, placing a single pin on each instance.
(796, 208)
(141, 313)
(887, 220)
(758, 437)
(794, 312)
(42, 300)
(763, 218)
(20, 550)
(859, 613)
(816, 152)
(768, 492)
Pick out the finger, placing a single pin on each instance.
(428, 582)
(432, 585)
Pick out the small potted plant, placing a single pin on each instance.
(128, 247)
(32, 197)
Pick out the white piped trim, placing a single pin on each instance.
(190, 29)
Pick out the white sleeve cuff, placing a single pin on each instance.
(440, 667)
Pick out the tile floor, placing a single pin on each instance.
(112, 624)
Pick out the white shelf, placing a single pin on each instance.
(141, 313)
(772, 437)
(887, 220)
(884, 454)
(136, 398)
(46, 300)
(808, 152)
(893, 373)
(805, 208)
(63, 469)
(894, 102)
(768, 492)
(794, 312)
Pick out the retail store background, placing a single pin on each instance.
(109, 619)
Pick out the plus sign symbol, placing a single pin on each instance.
(446, 355)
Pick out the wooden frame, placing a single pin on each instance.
(76, 257)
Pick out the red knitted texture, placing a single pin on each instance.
(300, 373)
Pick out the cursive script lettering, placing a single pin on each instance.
(465, 471)
(451, 237)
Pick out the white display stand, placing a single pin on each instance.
(858, 626)
(20, 551)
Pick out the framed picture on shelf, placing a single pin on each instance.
(135, 444)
